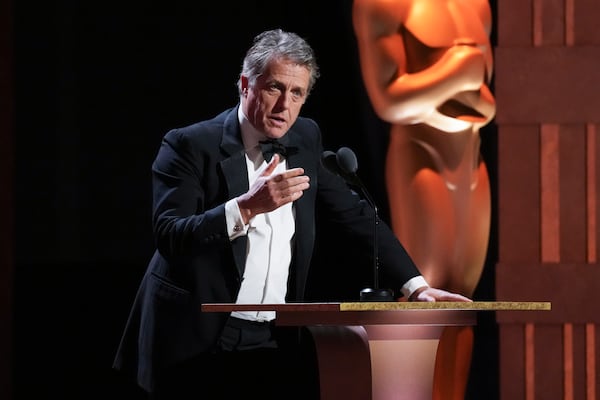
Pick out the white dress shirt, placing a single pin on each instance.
(270, 236)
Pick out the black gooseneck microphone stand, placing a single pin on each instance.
(345, 164)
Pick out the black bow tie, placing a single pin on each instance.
(272, 146)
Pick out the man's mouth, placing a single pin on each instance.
(277, 120)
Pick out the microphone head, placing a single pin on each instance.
(346, 160)
(329, 161)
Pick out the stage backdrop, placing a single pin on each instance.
(97, 85)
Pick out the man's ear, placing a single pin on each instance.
(244, 82)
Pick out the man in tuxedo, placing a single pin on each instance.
(234, 225)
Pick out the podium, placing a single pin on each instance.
(377, 350)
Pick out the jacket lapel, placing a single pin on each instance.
(234, 165)
(303, 210)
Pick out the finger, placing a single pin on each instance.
(289, 186)
(298, 183)
(295, 192)
(449, 296)
(425, 296)
(289, 178)
(271, 165)
(296, 195)
(458, 297)
(291, 173)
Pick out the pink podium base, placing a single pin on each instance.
(377, 351)
(379, 362)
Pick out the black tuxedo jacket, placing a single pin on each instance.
(197, 169)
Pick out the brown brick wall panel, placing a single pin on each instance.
(572, 197)
(551, 21)
(518, 193)
(596, 362)
(550, 190)
(547, 75)
(549, 380)
(579, 350)
(571, 288)
(512, 362)
(586, 14)
(595, 195)
(514, 22)
(547, 84)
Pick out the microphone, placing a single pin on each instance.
(329, 161)
(342, 163)
(345, 164)
(346, 159)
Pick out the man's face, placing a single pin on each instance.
(273, 103)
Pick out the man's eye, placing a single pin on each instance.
(297, 95)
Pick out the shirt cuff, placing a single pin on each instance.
(413, 284)
(235, 222)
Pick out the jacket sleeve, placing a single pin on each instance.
(182, 222)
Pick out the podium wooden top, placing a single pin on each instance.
(381, 306)
(380, 313)
(449, 305)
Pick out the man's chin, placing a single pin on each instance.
(276, 132)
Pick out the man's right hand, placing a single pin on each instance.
(271, 191)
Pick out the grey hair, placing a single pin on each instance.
(278, 44)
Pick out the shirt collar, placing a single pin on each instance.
(250, 135)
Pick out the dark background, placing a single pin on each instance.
(97, 85)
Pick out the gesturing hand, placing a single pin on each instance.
(271, 191)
